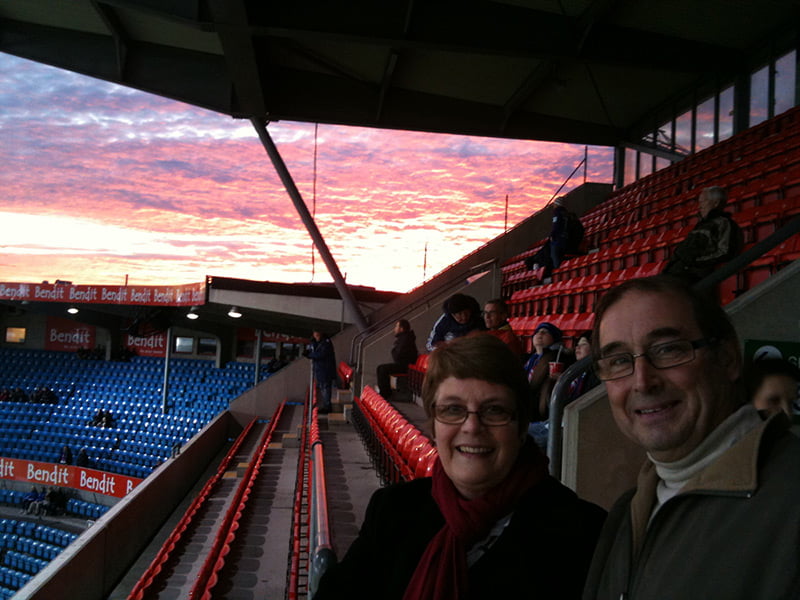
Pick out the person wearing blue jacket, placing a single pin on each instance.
(460, 315)
(323, 360)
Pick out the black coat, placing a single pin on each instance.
(544, 552)
(404, 349)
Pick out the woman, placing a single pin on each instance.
(546, 349)
(404, 353)
(491, 522)
(586, 380)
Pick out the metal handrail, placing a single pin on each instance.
(558, 400)
(320, 549)
(359, 339)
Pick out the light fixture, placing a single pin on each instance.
(234, 313)
(192, 314)
(73, 310)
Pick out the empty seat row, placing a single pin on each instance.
(399, 450)
(89, 510)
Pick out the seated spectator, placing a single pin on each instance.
(66, 455)
(57, 503)
(772, 385)
(714, 240)
(97, 419)
(566, 237)
(5, 395)
(31, 496)
(495, 317)
(547, 349)
(19, 395)
(35, 506)
(404, 353)
(107, 420)
(83, 459)
(44, 395)
(461, 314)
(586, 380)
(48, 505)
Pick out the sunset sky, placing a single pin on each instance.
(100, 182)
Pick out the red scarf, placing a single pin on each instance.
(441, 573)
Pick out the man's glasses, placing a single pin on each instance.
(490, 415)
(661, 356)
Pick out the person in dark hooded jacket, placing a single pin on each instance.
(461, 314)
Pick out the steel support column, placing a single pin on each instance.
(300, 205)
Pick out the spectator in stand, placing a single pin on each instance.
(31, 496)
(19, 395)
(83, 459)
(50, 502)
(107, 420)
(715, 513)
(5, 395)
(586, 380)
(566, 237)
(714, 240)
(772, 385)
(97, 419)
(461, 314)
(547, 349)
(495, 317)
(35, 505)
(66, 455)
(491, 522)
(55, 502)
(404, 353)
(323, 360)
(44, 395)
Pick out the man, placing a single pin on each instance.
(716, 510)
(323, 360)
(566, 236)
(715, 239)
(404, 352)
(495, 317)
(460, 316)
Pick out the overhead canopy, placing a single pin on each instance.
(580, 71)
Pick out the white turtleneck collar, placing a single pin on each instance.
(673, 476)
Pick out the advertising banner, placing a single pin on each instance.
(79, 478)
(64, 335)
(153, 345)
(145, 295)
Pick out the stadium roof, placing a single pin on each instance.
(581, 71)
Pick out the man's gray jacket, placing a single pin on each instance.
(732, 533)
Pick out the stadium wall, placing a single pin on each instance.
(92, 566)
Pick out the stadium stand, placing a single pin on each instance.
(637, 240)
(631, 233)
(143, 436)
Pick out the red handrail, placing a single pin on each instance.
(145, 581)
(215, 560)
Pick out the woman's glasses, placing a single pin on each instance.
(490, 415)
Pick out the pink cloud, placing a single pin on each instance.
(199, 192)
